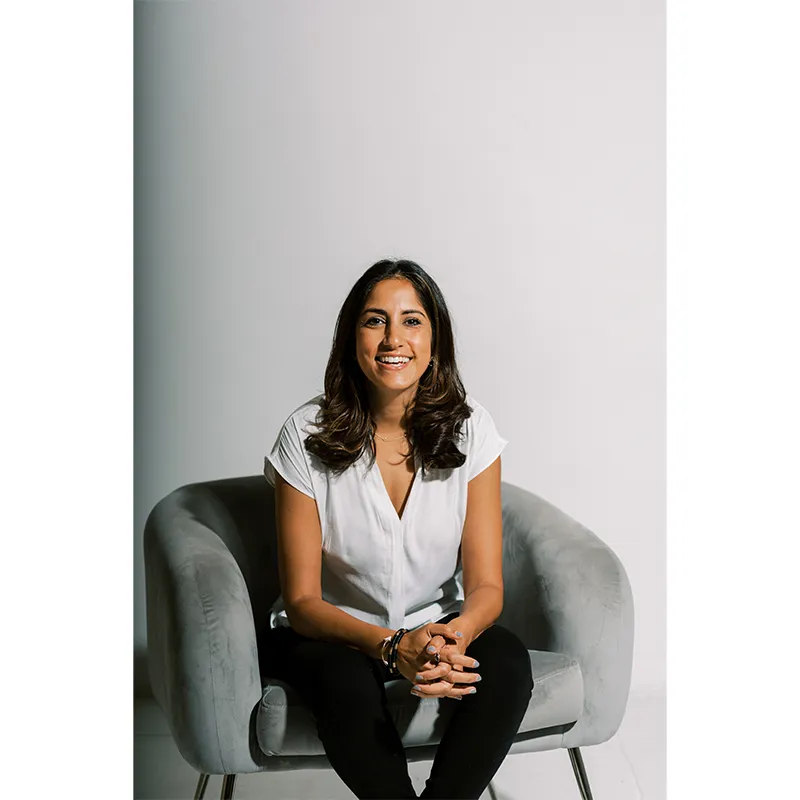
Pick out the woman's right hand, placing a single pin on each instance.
(442, 680)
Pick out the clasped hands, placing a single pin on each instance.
(416, 660)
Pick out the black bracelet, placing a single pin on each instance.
(391, 656)
(398, 635)
(393, 653)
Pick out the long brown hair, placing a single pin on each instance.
(439, 409)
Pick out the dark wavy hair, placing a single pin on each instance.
(438, 411)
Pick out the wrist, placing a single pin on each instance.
(467, 626)
(405, 648)
(393, 651)
(380, 648)
(383, 650)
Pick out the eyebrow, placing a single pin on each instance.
(386, 314)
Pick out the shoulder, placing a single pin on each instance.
(479, 418)
(288, 455)
(484, 443)
(303, 418)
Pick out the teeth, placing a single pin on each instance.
(398, 360)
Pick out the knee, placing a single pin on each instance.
(504, 660)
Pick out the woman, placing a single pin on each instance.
(385, 486)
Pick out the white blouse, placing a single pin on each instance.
(382, 569)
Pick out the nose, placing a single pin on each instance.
(393, 335)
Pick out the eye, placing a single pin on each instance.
(372, 321)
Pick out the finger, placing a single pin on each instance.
(460, 678)
(445, 667)
(425, 691)
(464, 661)
(442, 689)
(455, 658)
(456, 674)
(435, 645)
(432, 672)
(444, 630)
(443, 697)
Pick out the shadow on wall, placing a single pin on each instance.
(141, 678)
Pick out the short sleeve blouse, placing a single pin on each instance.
(383, 569)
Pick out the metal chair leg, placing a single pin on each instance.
(228, 783)
(580, 773)
(201, 786)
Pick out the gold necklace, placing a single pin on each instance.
(389, 440)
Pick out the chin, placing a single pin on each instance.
(405, 381)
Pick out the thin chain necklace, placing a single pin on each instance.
(389, 440)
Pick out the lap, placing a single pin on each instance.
(293, 657)
(301, 661)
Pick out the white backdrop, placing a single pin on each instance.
(515, 149)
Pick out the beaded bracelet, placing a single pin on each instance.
(398, 635)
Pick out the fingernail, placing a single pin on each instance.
(476, 664)
(418, 677)
(459, 634)
(477, 678)
(472, 690)
(431, 649)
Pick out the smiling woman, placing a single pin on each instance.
(394, 337)
(390, 547)
(394, 309)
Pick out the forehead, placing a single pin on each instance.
(394, 292)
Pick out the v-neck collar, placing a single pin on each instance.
(396, 518)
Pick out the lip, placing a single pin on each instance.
(394, 367)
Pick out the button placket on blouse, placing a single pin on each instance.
(396, 526)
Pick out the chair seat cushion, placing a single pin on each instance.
(286, 727)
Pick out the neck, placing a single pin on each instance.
(391, 413)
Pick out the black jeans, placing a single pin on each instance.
(344, 688)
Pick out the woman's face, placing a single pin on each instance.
(393, 323)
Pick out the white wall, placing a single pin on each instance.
(515, 149)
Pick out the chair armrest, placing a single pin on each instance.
(566, 591)
(201, 640)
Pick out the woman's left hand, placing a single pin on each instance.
(438, 644)
(451, 655)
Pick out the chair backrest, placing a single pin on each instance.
(248, 529)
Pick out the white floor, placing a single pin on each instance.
(631, 766)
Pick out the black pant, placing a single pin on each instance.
(344, 688)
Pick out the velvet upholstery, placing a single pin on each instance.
(211, 579)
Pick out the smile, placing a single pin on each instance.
(394, 364)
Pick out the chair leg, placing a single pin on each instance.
(228, 783)
(201, 786)
(580, 773)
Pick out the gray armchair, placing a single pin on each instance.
(211, 578)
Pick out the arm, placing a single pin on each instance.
(482, 554)
(481, 559)
(300, 572)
